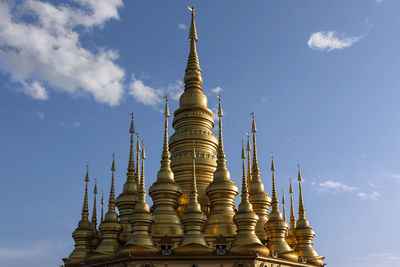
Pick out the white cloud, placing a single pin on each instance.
(387, 256)
(143, 93)
(339, 187)
(175, 90)
(328, 41)
(50, 49)
(216, 90)
(380, 1)
(182, 26)
(395, 176)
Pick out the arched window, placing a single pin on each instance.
(194, 265)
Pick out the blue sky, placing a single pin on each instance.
(321, 76)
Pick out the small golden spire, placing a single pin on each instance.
(165, 193)
(140, 242)
(258, 198)
(248, 149)
(277, 227)
(193, 220)
(137, 173)
(83, 233)
(110, 227)
(291, 240)
(102, 206)
(304, 233)
(246, 240)
(283, 205)
(129, 195)
(96, 238)
(221, 192)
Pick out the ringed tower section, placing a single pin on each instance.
(193, 122)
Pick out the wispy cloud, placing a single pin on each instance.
(217, 90)
(394, 176)
(49, 47)
(175, 90)
(73, 124)
(328, 41)
(143, 93)
(385, 256)
(335, 187)
(380, 1)
(182, 26)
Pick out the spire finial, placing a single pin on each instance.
(142, 190)
(275, 202)
(248, 149)
(192, 31)
(221, 161)
(220, 112)
(283, 205)
(85, 208)
(245, 192)
(255, 168)
(102, 206)
(302, 211)
(94, 214)
(131, 164)
(137, 173)
(166, 111)
(165, 159)
(292, 216)
(111, 200)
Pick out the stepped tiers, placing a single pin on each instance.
(193, 220)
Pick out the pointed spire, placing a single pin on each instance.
(102, 206)
(276, 227)
(221, 192)
(283, 205)
(140, 242)
(165, 192)
(137, 173)
(94, 213)
(302, 211)
(193, 220)
(291, 240)
(127, 199)
(110, 227)
(258, 198)
(304, 233)
(84, 232)
(248, 149)
(246, 240)
(193, 79)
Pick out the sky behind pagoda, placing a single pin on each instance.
(321, 76)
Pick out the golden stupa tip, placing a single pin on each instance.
(283, 197)
(253, 125)
(299, 178)
(193, 31)
(138, 142)
(102, 197)
(87, 174)
(272, 162)
(95, 186)
(166, 110)
(243, 154)
(143, 156)
(290, 186)
(220, 112)
(113, 163)
(132, 128)
(248, 146)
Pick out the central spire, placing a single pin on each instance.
(193, 121)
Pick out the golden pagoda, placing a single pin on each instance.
(193, 220)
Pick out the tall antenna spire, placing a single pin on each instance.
(304, 233)
(221, 192)
(129, 195)
(246, 240)
(248, 149)
(110, 227)
(193, 220)
(142, 189)
(258, 198)
(276, 227)
(165, 192)
(291, 240)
